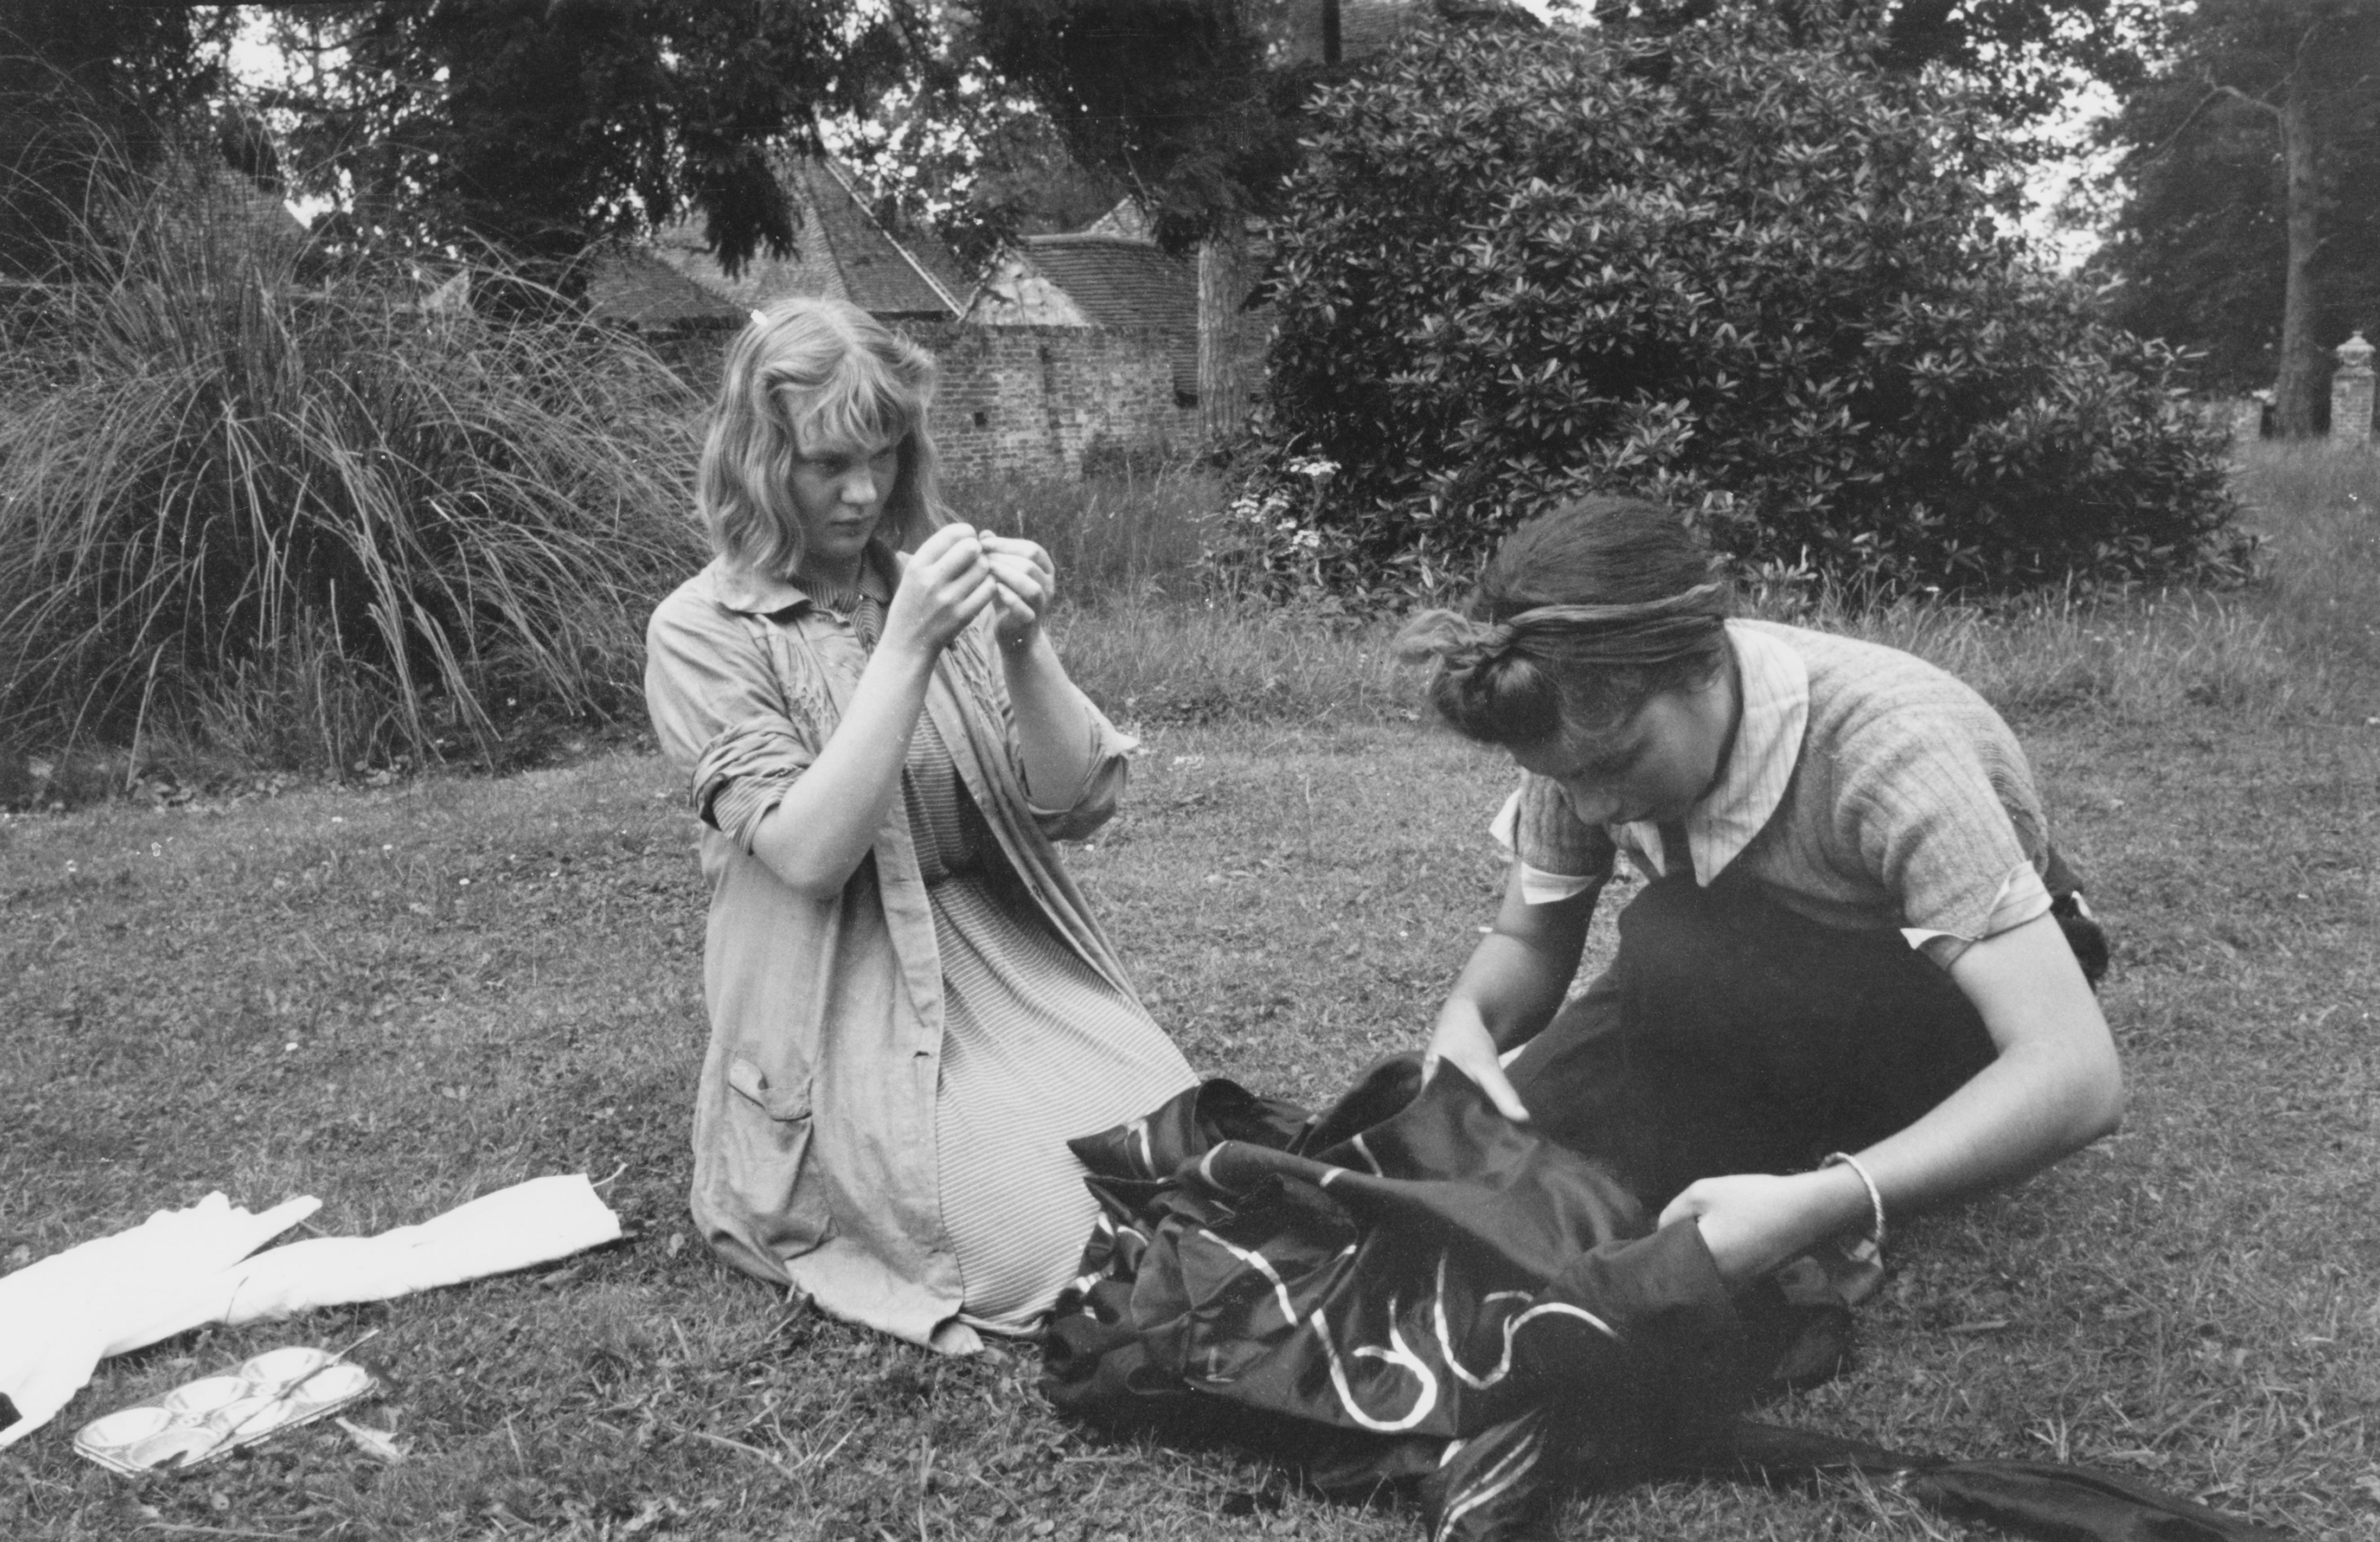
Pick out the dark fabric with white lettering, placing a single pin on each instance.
(1406, 1286)
(1350, 1320)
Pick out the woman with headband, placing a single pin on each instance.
(1843, 996)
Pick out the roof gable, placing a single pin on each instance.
(840, 252)
(880, 274)
(633, 284)
(1119, 281)
(1127, 219)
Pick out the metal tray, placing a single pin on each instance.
(201, 1420)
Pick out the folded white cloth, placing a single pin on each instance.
(179, 1269)
(530, 1223)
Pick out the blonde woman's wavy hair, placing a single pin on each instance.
(812, 377)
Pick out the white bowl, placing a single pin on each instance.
(123, 1427)
(205, 1397)
(331, 1385)
(249, 1417)
(276, 1367)
(177, 1446)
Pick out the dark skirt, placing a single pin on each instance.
(1731, 1035)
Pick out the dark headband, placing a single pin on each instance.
(1642, 635)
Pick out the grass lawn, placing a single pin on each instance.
(397, 999)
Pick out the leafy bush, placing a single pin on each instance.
(309, 524)
(1752, 278)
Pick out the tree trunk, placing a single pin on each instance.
(2297, 392)
(1223, 290)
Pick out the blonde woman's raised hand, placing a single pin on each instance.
(946, 585)
(1027, 582)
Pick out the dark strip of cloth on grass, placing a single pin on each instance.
(1408, 1287)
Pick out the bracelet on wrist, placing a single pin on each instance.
(1875, 1196)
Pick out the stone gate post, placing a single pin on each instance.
(2350, 392)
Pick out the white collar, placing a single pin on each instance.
(1775, 690)
(741, 589)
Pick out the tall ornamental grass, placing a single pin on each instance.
(307, 523)
(1126, 536)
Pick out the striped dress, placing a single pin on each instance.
(1037, 1048)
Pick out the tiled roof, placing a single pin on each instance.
(631, 284)
(1121, 283)
(840, 252)
(880, 275)
(810, 271)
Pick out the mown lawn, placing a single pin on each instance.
(396, 999)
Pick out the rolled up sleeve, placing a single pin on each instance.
(1106, 759)
(720, 715)
(1559, 856)
(745, 772)
(1109, 758)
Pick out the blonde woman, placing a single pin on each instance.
(911, 1009)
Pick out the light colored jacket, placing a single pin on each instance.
(814, 1147)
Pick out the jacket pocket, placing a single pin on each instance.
(768, 1164)
(778, 1102)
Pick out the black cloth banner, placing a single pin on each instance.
(1408, 1286)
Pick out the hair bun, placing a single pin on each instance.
(1453, 641)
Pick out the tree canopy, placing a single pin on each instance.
(87, 87)
(522, 128)
(2250, 225)
(537, 125)
(975, 162)
(1182, 101)
(2020, 56)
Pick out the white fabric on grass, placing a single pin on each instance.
(60, 1316)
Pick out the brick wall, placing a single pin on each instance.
(1035, 400)
(1020, 400)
